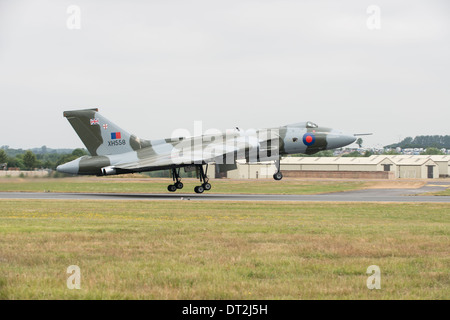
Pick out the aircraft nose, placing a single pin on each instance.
(347, 139)
(339, 140)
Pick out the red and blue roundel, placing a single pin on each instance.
(309, 139)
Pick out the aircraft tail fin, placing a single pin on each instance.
(101, 136)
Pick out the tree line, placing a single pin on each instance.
(353, 154)
(436, 141)
(29, 160)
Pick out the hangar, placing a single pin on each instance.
(339, 167)
(442, 161)
(417, 168)
(260, 170)
(319, 167)
(373, 167)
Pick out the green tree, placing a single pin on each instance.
(65, 158)
(15, 163)
(79, 153)
(391, 152)
(429, 151)
(49, 165)
(3, 156)
(29, 160)
(359, 142)
(435, 141)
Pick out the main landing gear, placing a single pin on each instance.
(277, 175)
(176, 179)
(177, 184)
(203, 180)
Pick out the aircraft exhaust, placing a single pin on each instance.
(108, 171)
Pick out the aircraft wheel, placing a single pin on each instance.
(179, 185)
(199, 189)
(278, 175)
(206, 186)
(172, 188)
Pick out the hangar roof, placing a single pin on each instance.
(413, 158)
(335, 160)
(413, 161)
(372, 160)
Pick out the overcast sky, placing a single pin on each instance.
(158, 66)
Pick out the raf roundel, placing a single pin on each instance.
(309, 139)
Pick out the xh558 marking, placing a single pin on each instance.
(115, 151)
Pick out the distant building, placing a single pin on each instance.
(373, 167)
(378, 167)
(442, 163)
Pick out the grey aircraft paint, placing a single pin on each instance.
(116, 151)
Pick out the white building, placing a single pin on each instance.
(441, 161)
(373, 167)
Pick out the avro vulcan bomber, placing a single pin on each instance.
(115, 151)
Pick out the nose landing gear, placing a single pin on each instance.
(277, 175)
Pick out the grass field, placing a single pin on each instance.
(160, 185)
(223, 250)
(445, 192)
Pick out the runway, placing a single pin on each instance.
(369, 195)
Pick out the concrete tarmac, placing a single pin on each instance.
(366, 195)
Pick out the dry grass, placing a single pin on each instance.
(223, 250)
(445, 192)
(396, 184)
(147, 185)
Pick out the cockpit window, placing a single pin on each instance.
(310, 124)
